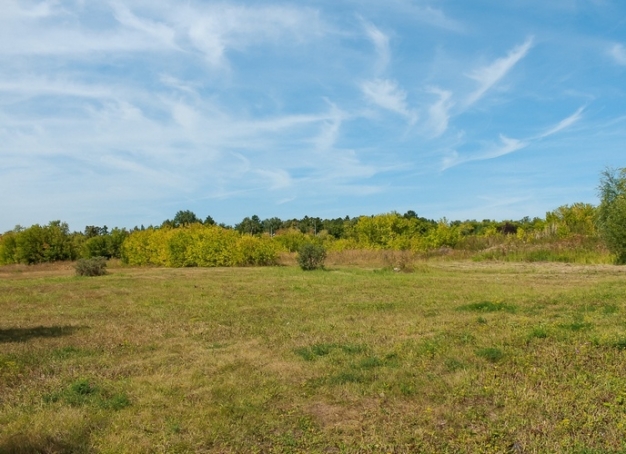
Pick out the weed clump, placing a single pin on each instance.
(91, 267)
(487, 306)
(84, 393)
(311, 256)
(493, 355)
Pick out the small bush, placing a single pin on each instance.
(311, 256)
(91, 267)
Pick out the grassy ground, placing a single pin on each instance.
(451, 357)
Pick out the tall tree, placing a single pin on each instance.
(184, 218)
(251, 225)
(611, 216)
(271, 225)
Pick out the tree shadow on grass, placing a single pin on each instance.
(20, 445)
(26, 334)
(73, 439)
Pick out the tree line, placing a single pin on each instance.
(188, 240)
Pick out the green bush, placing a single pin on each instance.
(38, 244)
(91, 267)
(611, 215)
(311, 256)
(198, 245)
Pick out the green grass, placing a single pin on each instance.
(467, 357)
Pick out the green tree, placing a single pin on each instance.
(611, 217)
(578, 219)
(272, 225)
(8, 248)
(251, 225)
(48, 243)
(184, 218)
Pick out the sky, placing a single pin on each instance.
(122, 113)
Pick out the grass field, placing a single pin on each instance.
(451, 357)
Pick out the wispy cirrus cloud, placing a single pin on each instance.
(386, 93)
(563, 124)
(242, 104)
(219, 28)
(11, 9)
(278, 178)
(506, 146)
(156, 30)
(210, 29)
(424, 14)
(439, 112)
(618, 52)
(489, 75)
(381, 44)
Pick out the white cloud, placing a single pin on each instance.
(186, 116)
(35, 86)
(618, 52)
(178, 84)
(385, 93)
(327, 137)
(211, 29)
(439, 115)
(381, 44)
(488, 76)
(438, 17)
(278, 178)
(154, 30)
(506, 146)
(12, 9)
(408, 8)
(61, 42)
(216, 28)
(565, 123)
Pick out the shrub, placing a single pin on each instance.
(257, 251)
(311, 256)
(611, 214)
(97, 246)
(198, 245)
(91, 267)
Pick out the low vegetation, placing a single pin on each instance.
(450, 356)
(311, 256)
(96, 266)
(578, 233)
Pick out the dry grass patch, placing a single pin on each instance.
(453, 357)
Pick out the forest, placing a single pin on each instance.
(579, 232)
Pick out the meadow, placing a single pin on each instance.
(445, 356)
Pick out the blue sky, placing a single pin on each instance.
(124, 112)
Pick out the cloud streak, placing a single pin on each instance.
(439, 112)
(381, 44)
(506, 146)
(386, 94)
(563, 124)
(490, 75)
